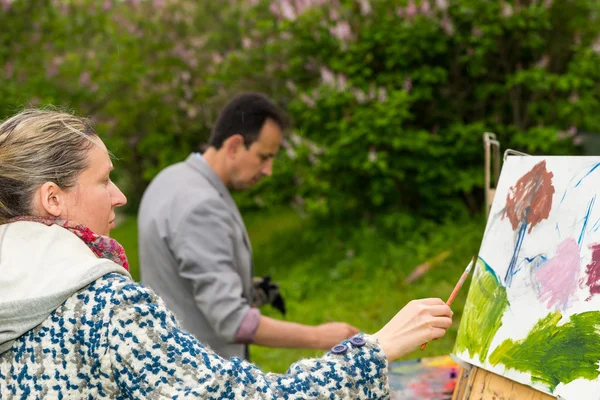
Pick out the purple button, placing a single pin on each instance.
(339, 349)
(357, 341)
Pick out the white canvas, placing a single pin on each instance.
(532, 313)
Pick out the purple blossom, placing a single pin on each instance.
(327, 76)
(341, 81)
(291, 86)
(407, 84)
(246, 42)
(573, 98)
(596, 45)
(475, 31)
(411, 9)
(341, 31)
(447, 25)
(84, 78)
(381, 95)
(107, 5)
(306, 99)
(359, 95)
(365, 7)
(441, 5)
(543, 62)
(425, 7)
(372, 156)
(9, 68)
(507, 10)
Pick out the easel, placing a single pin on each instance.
(475, 383)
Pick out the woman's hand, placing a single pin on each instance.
(420, 321)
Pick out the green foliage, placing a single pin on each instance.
(390, 98)
(394, 100)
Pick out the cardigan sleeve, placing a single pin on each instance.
(152, 357)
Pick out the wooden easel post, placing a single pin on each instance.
(473, 382)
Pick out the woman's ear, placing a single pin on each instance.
(51, 199)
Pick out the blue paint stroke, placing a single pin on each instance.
(596, 225)
(564, 194)
(513, 262)
(491, 271)
(558, 230)
(585, 219)
(589, 172)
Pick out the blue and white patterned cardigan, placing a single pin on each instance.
(116, 339)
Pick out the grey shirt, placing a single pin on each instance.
(195, 253)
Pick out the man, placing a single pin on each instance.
(194, 248)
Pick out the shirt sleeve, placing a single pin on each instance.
(151, 357)
(247, 331)
(203, 245)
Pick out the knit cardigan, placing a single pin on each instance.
(116, 339)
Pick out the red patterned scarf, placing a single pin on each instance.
(102, 246)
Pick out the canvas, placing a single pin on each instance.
(532, 312)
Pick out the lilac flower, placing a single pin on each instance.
(327, 76)
(381, 94)
(507, 10)
(425, 7)
(84, 78)
(306, 99)
(441, 5)
(447, 25)
(287, 10)
(365, 7)
(9, 68)
(359, 95)
(372, 156)
(411, 9)
(573, 98)
(341, 81)
(407, 84)
(291, 86)
(341, 31)
(543, 62)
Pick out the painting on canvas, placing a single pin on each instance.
(533, 308)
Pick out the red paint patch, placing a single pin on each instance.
(593, 271)
(530, 199)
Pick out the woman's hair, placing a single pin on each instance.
(39, 146)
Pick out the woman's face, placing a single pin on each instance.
(92, 201)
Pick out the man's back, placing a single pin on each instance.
(195, 254)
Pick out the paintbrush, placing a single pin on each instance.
(462, 280)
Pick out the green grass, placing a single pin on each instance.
(359, 280)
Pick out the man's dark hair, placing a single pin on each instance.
(245, 115)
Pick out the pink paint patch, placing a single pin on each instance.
(557, 278)
(593, 271)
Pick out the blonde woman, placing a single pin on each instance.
(73, 324)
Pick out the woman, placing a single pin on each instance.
(74, 324)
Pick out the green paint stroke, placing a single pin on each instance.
(482, 316)
(555, 354)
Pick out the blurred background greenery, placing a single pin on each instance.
(389, 98)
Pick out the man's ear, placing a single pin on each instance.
(234, 144)
(52, 199)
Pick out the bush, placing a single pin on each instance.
(390, 98)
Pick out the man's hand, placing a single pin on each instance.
(329, 334)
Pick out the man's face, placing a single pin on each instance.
(256, 162)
